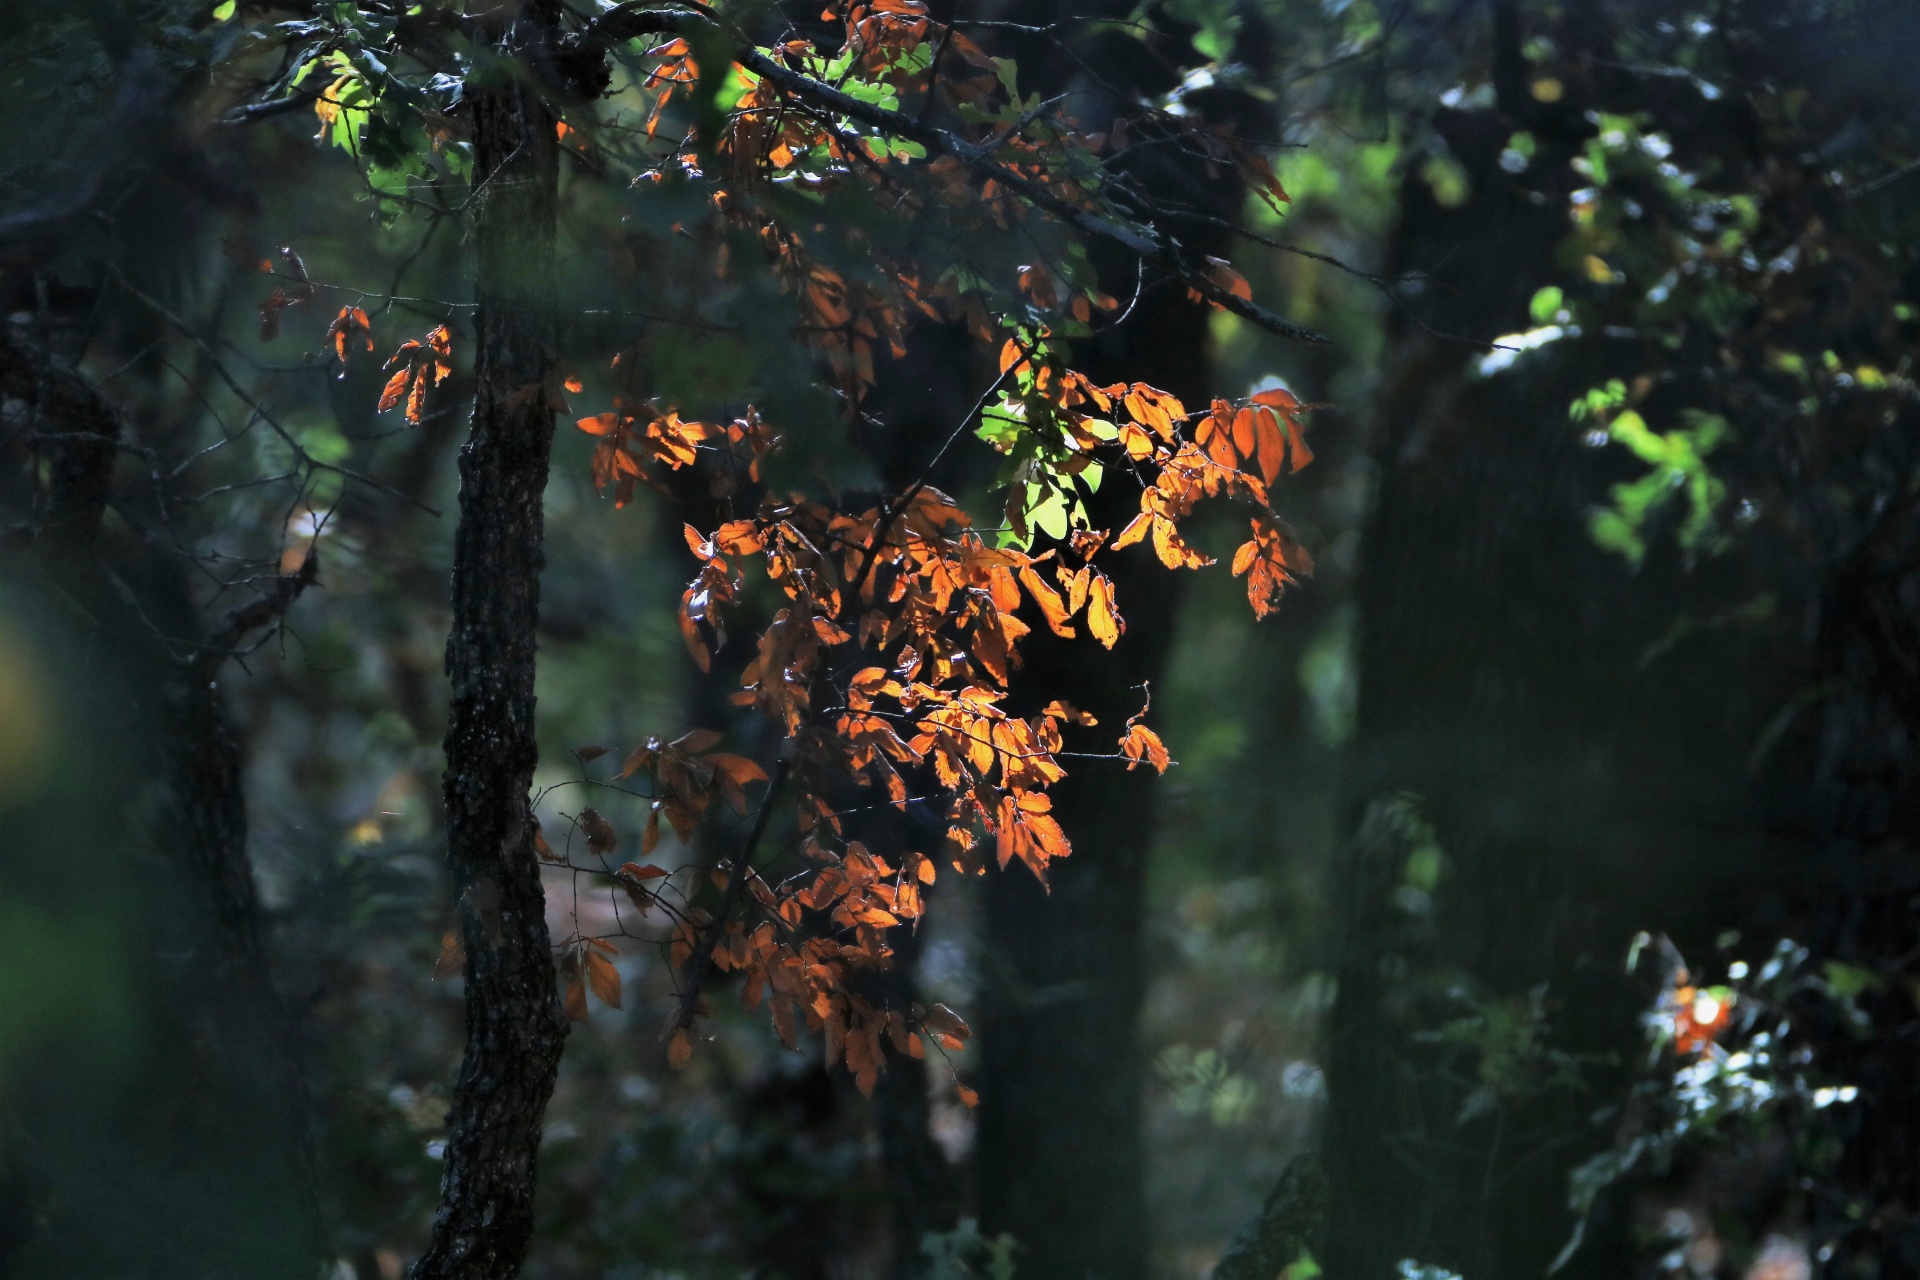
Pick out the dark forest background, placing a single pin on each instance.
(1586, 717)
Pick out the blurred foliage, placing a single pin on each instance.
(1742, 316)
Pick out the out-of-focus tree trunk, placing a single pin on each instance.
(1577, 797)
(515, 1025)
(1060, 1164)
(1061, 1161)
(255, 1072)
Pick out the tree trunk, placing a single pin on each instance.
(1061, 1163)
(1577, 797)
(258, 1068)
(515, 1025)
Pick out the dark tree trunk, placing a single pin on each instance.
(1061, 1159)
(1578, 798)
(1061, 1163)
(1488, 653)
(515, 1025)
(76, 431)
(256, 1045)
(206, 821)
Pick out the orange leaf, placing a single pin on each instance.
(1052, 607)
(680, 1049)
(1301, 454)
(417, 398)
(1143, 744)
(1137, 443)
(1243, 433)
(351, 322)
(1136, 529)
(395, 390)
(1273, 449)
(1105, 624)
(1068, 712)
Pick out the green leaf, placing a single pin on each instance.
(1048, 514)
(1546, 304)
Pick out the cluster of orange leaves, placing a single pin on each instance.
(810, 975)
(418, 365)
(348, 331)
(887, 662)
(1229, 451)
(911, 583)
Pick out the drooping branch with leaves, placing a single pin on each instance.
(804, 193)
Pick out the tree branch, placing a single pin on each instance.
(1144, 241)
(1285, 1226)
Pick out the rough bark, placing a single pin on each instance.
(515, 1024)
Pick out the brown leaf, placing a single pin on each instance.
(604, 977)
(698, 740)
(453, 956)
(598, 831)
(576, 1001)
(680, 1049)
(270, 310)
(944, 1021)
(739, 768)
(639, 758)
(783, 1022)
(635, 871)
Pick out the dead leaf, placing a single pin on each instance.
(605, 978)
